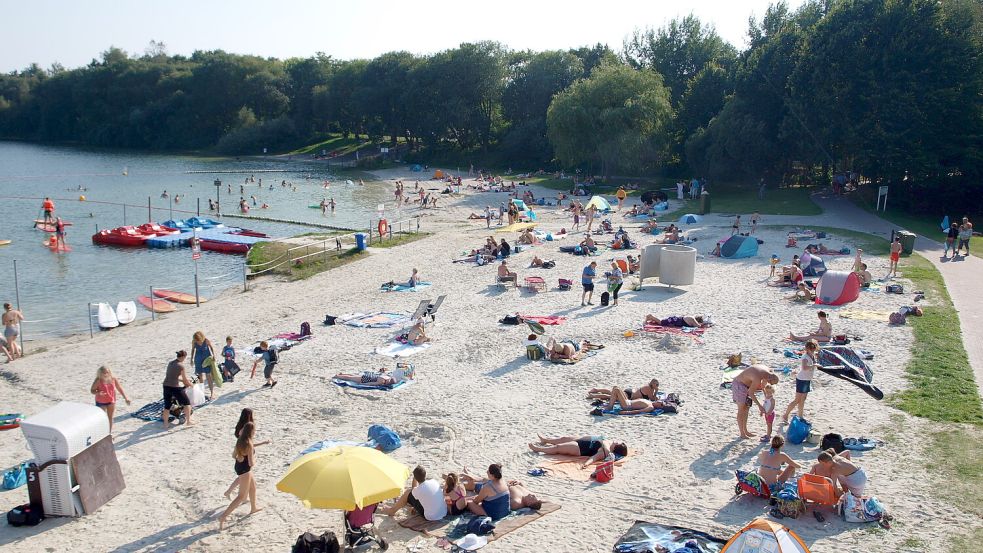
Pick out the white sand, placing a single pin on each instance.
(478, 401)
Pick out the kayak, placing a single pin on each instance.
(158, 306)
(176, 297)
(9, 421)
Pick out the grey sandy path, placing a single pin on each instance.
(962, 275)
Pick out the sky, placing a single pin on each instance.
(74, 33)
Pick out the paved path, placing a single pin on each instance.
(962, 276)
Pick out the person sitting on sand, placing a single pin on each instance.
(505, 275)
(650, 226)
(803, 293)
(679, 321)
(588, 243)
(649, 391)
(527, 237)
(536, 261)
(750, 381)
(521, 498)
(504, 249)
(841, 469)
(629, 406)
(379, 377)
(671, 235)
(595, 448)
(865, 277)
(414, 278)
(771, 461)
(417, 335)
(822, 334)
(455, 495)
(491, 499)
(425, 496)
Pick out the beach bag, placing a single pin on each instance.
(894, 289)
(329, 320)
(565, 284)
(15, 477)
(197, 395)
(859, 509)
(788, 502)
(605, 298)
(534, 352)
(549, 264)
(897, 318)
(229, 370)
(481, 526)
(384, 437)
(604, 472)
(309, 543)
(832, 441)
(24, 515)
(510, 320)
(305, 328)
(798, 430)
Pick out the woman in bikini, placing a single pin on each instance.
(595, 448)
(455, 495)
(695, 321)
(648, 391)
(630, 406)
(417, 335)
(772, 460)
(245, 456)
(565, 350)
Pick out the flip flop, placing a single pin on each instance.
(536, 472)
(819, 516)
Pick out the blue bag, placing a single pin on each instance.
(15, 477)
(798, 430)
(384, 437)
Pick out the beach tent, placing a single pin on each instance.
(837, 288)
(945, 223)
(416, 168)
(523, 207)
(599, 203)
(764, 535)
(738, 246)
(812, 265)
(689, 219)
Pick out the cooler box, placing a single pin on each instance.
(60, 433)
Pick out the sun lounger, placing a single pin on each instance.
(502, 281)
(535, 283)
(817, 490)
(421, 310)
(433, 307)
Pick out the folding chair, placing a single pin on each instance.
(421, 310)
(817, 490)
(503, 281)
(433, 307)
(535, 283)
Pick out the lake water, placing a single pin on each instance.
(55, 289)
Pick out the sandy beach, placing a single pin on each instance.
(477, 399)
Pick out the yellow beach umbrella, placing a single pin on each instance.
(344, 477)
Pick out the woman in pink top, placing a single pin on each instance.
(104, 388)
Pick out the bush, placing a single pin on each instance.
(252, 139)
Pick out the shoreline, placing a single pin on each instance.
(478, 400)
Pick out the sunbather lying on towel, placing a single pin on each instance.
(379, 377)
(648, 391)
(566, 349)
(696, 321)
(822, 334)
(629, 406)
(520, 497)
(592, 447)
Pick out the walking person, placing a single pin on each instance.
(176, 384)
(11, 329)
(244, 454)
(229, 367)
(488, 217)
(755, 219)
(736, 228)
(616, 278)
(965, 234)
(270, 357)
(895, 255)
(803, 380)
(587, 280)
(576, 215)
(104, 387)
(245, 417)
(950, 240)
(621, 195)
(204, 359)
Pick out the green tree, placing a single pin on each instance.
(616, 118)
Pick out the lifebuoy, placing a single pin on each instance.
(383, 227)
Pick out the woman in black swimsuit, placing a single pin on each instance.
(648, 392)
(245, 417)
(244, 455)
(595, 448)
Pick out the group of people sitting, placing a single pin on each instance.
(492, 250)
(671, 235)
(462, 493)
(776, 468)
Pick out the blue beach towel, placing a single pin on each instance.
(404, 287)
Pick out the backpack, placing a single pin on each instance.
(897, 318)
(510, 320)
(605, 298)
(798, 430)
(329, 320)
(534, 352)
(15, 477)
(859, 509)
(384, 437)
(565, 284)
(305, 328)
(309, 543)
(24, 515)
(481, 526)
(832, 441)
(894, 289)
(549, 264)
(273, 356)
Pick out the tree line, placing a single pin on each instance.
(889, 89)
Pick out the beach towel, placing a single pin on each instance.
(151, 411)
(379, 320)
(455, 527)
(291, 337)
(568, 467)
(729, 374)
(359, 386)
(691, 332)
(397, 349)
(646, 536)
(404, 287)
(544, 320)
(617, 411)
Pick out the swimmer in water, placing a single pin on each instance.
(332, 204)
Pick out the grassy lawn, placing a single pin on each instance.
(870, 244)
(605, 188)
(728, 198)
(399, 240)
(263, 254)
(942, 384)
(918, 224)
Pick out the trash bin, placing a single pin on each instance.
(907, 242)
(360, 241)
(704, 202)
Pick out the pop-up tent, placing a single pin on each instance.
(599, 203)
(523, 207)
(764, 535)
(812, 265)
(689, 219)
(837, 288)
(738, 246)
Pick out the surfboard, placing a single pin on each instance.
(176, 297)
(57, 249)
(126, 312)
(51, 222)
(159, 306)
(106, 316)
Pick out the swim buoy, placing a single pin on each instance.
(81, 198)
(383, 227)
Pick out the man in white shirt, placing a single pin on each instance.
(425, 496)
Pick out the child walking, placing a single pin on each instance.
(104, 387)
(270, 357)
(229, 368)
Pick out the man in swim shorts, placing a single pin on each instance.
(750, 381)
(895, 255)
